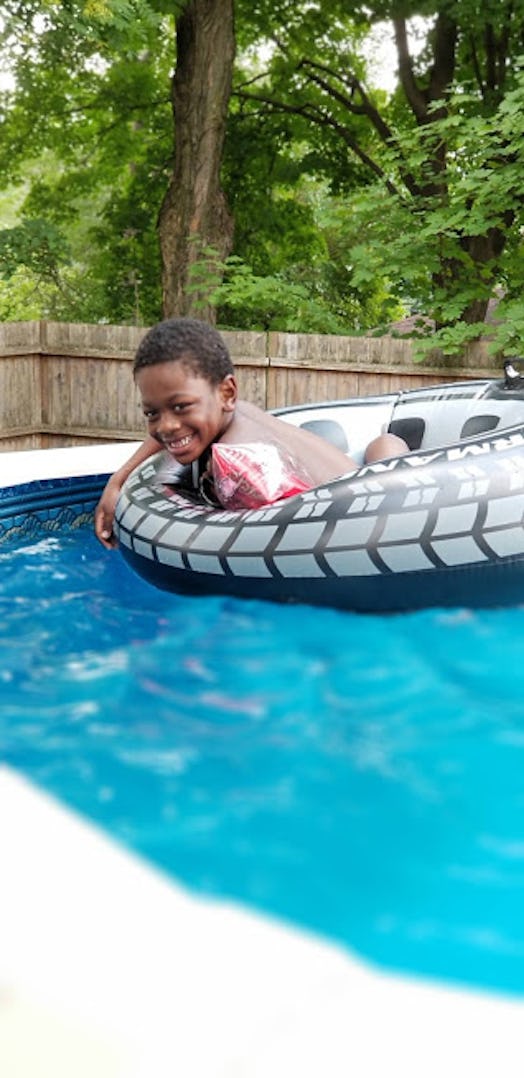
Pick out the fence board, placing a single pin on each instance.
(20, 392)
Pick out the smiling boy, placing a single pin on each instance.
(187, 383)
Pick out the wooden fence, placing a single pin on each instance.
(64, 385)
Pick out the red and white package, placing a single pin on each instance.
(255, 474)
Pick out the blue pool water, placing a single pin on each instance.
(359, 776)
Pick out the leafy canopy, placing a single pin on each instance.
(350, 205)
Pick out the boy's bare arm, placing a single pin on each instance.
(321, 460)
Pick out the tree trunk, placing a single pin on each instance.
(484, 252)
(195, 221)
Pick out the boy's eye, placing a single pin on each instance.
(177, 409)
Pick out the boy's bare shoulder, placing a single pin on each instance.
(251, 424)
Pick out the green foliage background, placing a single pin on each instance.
(343, 221)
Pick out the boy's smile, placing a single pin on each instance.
(185, 412)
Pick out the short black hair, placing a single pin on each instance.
(196, 344)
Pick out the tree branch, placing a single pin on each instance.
(476, 67)
(322, 118)
(442, 71)
(444, 54)
(415, 97)
(367, 107)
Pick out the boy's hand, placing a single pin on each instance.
(105, 514)
(105, 510)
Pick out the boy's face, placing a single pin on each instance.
(185, 412)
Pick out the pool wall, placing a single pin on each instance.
(109, 969)
(52, 490)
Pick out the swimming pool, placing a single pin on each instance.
(359, 776)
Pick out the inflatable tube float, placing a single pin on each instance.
(442, 526)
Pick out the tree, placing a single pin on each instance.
(194, 218)
(421, 192)
(101, 69)
(425, 169)
(84, 132)
(102, 161)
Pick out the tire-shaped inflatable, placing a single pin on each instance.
(442, 526)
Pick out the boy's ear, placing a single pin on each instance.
(228, 392)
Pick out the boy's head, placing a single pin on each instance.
(195, 344)
(186, 380)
